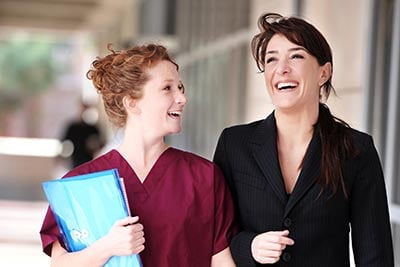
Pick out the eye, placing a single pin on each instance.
(167, 88)
(269, 60)
(181, 88)
(297, 56)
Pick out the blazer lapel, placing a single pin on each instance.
(266, 155)
(309, 171)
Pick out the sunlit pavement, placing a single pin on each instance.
(19, 234)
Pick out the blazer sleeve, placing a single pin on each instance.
(241, 242)
(370, 224)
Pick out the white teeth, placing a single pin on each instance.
(175, 113)
(286, 85)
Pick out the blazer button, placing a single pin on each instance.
(287, 222)
(286, 257)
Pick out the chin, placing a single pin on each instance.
(175, 131)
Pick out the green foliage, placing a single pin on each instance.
(26, 68)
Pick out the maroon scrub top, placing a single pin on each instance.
(184, 205)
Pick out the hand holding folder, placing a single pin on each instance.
(85, 208)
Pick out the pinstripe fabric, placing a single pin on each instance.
(318, 222)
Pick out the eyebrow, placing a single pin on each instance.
(291, 50)
(171, 80)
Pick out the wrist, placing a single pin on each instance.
(100, 251)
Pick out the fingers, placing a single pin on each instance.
(135, 234)
(127, 221)
(267, 259)
(267, 247)
(135, 240)
(280, 237)
(127, 236)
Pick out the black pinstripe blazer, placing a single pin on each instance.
(319, 223)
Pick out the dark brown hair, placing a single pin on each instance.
(123, 73)
(336, 143)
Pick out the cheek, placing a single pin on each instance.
(313, 90)
(268, 80)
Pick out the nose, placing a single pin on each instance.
(283, 67)
(180, 98)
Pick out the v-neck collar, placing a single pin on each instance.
(265, 148)
(154, 175)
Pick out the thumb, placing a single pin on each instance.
(284, 232)
(280, 233)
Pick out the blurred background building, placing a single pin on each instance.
(46, 47)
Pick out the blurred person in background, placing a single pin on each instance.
(82, 138)
(183, 209)
(302, 179)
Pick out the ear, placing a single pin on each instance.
(130, 105)
(325, 74)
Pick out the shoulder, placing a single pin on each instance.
(191, 158)
(256, 132)
(360, 139)
(251, 128)
(102, 162)
(196, 163)
(243, 128)
(201, 169)
(365, 150)
(241, 133)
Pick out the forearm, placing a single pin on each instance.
(93, 255)
(223, 259)
(126, 237)
(241, 249)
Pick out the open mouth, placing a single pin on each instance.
(286, 85)
(175, 114)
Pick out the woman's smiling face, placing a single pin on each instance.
(163, 100)
(292, 75)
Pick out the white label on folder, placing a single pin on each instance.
(79, 235)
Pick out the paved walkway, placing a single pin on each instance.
(20, 223)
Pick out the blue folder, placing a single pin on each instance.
(85, 208)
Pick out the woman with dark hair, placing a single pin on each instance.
(302, 179)
(182, 206)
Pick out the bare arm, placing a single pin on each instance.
(223, 259)
(126, 237)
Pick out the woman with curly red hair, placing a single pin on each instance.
(183, 209)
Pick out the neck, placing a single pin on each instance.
(295, 128)
(140, 149)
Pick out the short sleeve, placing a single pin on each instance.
(49, 233)
(224, 213)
